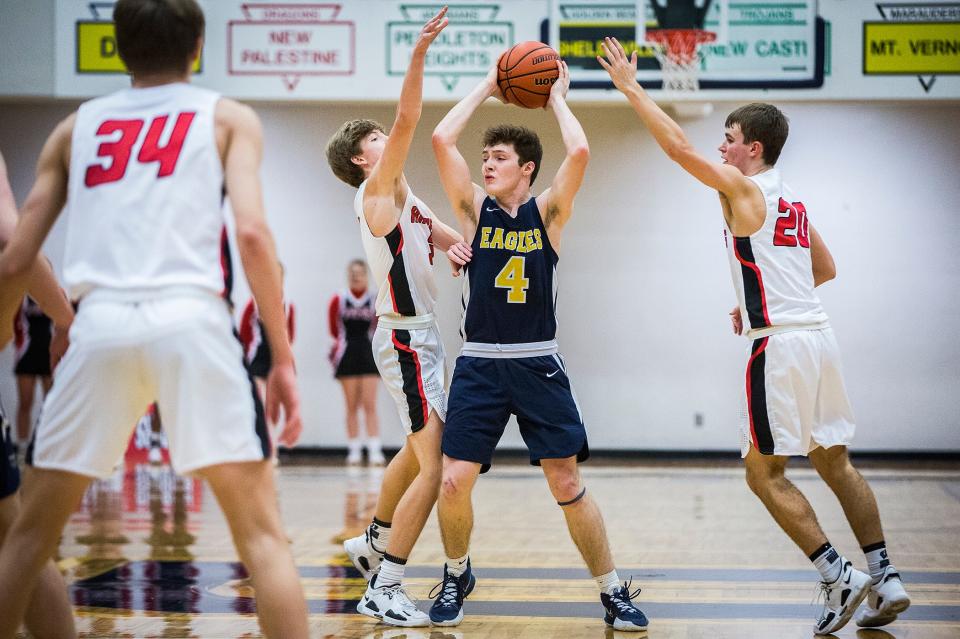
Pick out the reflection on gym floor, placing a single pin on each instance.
(147, 554)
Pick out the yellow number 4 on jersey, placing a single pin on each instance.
(511, 278)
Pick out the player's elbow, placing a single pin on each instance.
(12, 266)
(824, 273)
(253, 237)
(442, 139)
(678, 150)
(580, 153)
(407, 117)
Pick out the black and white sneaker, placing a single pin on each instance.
(364, 556)
(841, 599)
(391, 605)
(886, 600)
(621, 613)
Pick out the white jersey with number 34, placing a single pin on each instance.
(144, 206)
(772, 269)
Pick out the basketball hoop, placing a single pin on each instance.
(678, 52)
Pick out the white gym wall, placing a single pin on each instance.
(644, 284)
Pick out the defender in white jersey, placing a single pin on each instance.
(399, 232)
(795, 399)
(142, 173)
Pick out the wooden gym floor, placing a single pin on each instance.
(148, 555)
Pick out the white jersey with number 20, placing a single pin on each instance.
(772, 269)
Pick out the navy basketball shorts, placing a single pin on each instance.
(484, 393)
(9, 471)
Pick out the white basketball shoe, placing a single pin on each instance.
(364, 556)
(391, 605)
(841, 599)
(886, 600)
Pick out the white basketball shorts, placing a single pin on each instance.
(180, 351)
(412, 364)
(795, 399)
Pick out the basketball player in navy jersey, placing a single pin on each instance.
(141, 174)
(510, 362)
(796, 403)
(399, 233)
(49, 613)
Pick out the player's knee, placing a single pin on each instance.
(575, 500)
(838, 472)
(567, 489)
(454, 486)
(759, 479)
(431, 473)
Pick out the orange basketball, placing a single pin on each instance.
(526, 72)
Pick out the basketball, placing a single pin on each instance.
(526, 72)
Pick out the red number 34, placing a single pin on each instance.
(120, 150)
(795, 220)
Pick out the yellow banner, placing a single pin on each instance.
(97, 49)
(911, 48)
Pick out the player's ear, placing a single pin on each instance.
(359, 160)
(527, 168)
(756, 149)
(197, 50)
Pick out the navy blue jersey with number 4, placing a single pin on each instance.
(510, 291)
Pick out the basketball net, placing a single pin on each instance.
(678, 52)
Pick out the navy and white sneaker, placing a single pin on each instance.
(364, 556)
(447, 610)
(621, 614)
(841, 599)
(886, 600)
(391, 605)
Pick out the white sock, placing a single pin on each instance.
(391, 573)
(609, 583)
(877, 560)
(828, 561)
(379, 535)
(373, 444)
(458, 566)
(354, 446)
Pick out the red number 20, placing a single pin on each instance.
(120, 150)
(794, 220)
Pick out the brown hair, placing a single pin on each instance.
(157, 36)
(344, 144)
(763, 123)
(524, 141)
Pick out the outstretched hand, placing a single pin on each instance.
(432, 29)
(622, 69)
(459, 255)
(559, 89)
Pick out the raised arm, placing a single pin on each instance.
(556, 203)
(259, 257)
(668, 134)
(384, 185)
(465, 197)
